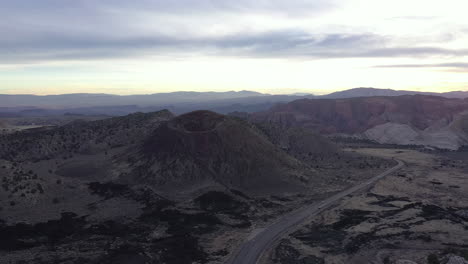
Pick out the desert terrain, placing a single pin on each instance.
(417, 215)
(233, 132)
(195, 188)
(159, 188)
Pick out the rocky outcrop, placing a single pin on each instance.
(400, 134)
(392, 133)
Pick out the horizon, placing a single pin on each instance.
(238, 91)
(319, 47)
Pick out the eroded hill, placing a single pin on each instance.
(408, 120)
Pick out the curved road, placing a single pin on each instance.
(252, 250)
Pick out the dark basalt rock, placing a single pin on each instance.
(179, 250)
(323, 235)
(126, 254)
(312, 260)
(23, 236)
(351, 218)
(286, 254)
(219, 202)
(335, 237)
(109, 189)
(144, 195)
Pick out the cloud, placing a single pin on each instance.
(456, 67)
(85, 29)
(54, 30)
(422, 18)
(26, 19)
(283, 43)
(271, 44)
(460, 65)
(50, 10)
(414, 52)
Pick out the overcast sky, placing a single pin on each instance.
(288, 46)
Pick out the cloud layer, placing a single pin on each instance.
(102, 29)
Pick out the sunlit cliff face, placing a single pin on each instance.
(128, 47)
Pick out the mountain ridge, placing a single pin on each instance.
(176, 102)
(22, 100)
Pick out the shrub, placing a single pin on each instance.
(433, 259)
(386, 260)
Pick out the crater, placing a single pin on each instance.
(198, 121)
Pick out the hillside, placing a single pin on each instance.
(79, 137)
(422, 119)
(297, 141)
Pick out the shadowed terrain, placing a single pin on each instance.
(158, 188)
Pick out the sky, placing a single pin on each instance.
(271, 46)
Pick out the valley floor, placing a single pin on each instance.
(418, 215)
(49, 215)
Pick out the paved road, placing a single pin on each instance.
(252, 250)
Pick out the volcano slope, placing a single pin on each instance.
(203, 148)
(154, 188)
(407, 120)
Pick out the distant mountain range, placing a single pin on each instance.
(142, 100)
(108, 104)
(368, 92)
(177, 102)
